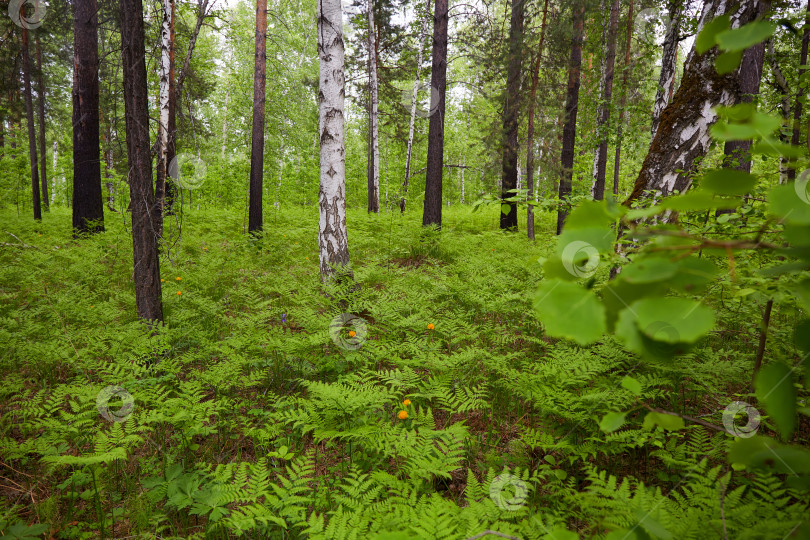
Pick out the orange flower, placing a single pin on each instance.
(352, 333)
(178, 278)
(406, 402)
(430, 326)
(402, 415)
(162, 280)
(179, 293)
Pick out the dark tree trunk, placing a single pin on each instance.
(802, 91)
(32, 138)
(432, 211)
(623, 102)
(257, 148)
(530, 127)
(88, 203)
(42, 157)
(511, 109)
(683, 135)
(142, 196)
(604, 107)
(571, 108)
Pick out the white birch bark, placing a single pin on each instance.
(669, 64)
(333, 243)
(163, 102)
(374, 154)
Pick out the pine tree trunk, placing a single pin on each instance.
(88, 204)
(43, 158)
(333, 241)
(623, 102)
(683, 134)
(373, 126)
(511, 110)
(32, 138)
(802, 91)
(412, 124)
(604, 107)
(144, 241)
(530, 127)
(669, 64)
(432, 210)
(571, 108)
(257, 148)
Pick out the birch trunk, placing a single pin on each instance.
(163, 115)
(225, 124)
(604, 107)
(669, 65)
(683, 134)
(412, 123)
(373, 126)
(333, 241)
(257, 146)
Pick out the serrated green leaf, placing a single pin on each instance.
(570, 311)
(774, 387)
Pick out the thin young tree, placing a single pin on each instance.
(530, 127)
(571, 108)
(511, 110)
(148, 298)
(29, 110)
(43, 177)
(88, 203)
(373, 117)
(802, 91)
(257, 137)
(623, 100)
(603, 115)
(333, 240)
(432, 209)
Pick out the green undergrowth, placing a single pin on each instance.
(248, 418)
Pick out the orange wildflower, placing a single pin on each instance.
(430, 326)
(402, 415)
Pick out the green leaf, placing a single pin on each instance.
(505, 209)
(698, 200)
(791, 202)
(669, 422)
(728, 62)
(561, 534)
(570, 311)
(708, 36)
(728, 182)
(594, 215)
(774, 387)
(746, 36)
(612, 421)
(649, 270)
(631, 384)
(673, 320)
(651, 525)
(760, 452)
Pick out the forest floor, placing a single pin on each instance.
(256, 410)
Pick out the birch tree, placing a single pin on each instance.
(373, 120)
(333, 241)
(166, 61)
(669, 64)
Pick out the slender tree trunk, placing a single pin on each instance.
(163, 117)
(373, 126)
(683, 134)
(530, 127)
(412, 124)
(225, 123)
(623, 101)
(43, 158)
(604, 107)
(571, 108)
(257, 148)
(783, 90)
(432, 210)
(144, 239)
(88, 205)
(32, 138)
(802, 91)
(669, 64)
(333, 240)
(511, 110)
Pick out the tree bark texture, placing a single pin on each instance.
(32, 138)
(257, 147)
(432, 210)
(603, 116)
(43, 177)
(511, 110)
(530, 127)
